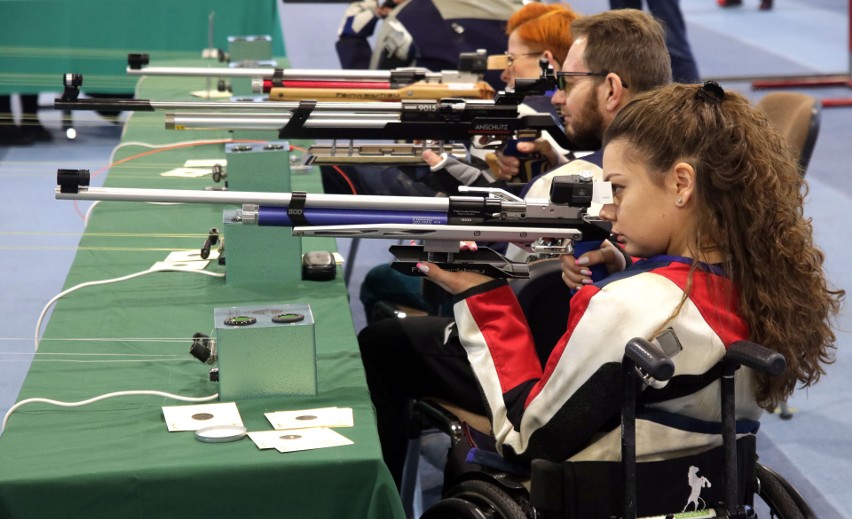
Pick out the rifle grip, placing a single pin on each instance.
(599, 271)
(531, 164)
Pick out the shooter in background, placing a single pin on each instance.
(423, 33)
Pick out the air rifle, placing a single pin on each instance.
(487, 124)
(486, 215)
(71, 100)
(445, 120)
(72, 83)
(317, 154)
(335, 85)
(449, 119)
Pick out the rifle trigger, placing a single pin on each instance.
(556, 246)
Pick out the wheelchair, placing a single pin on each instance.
(486, 486)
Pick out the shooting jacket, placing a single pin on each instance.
(570, 409)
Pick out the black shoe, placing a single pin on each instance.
(15, 136)
(765, 5)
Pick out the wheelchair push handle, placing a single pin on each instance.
(757, 357)
(649, 358)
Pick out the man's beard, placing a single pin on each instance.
(585, 132)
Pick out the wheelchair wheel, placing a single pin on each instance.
(476, 500)
(783, 500)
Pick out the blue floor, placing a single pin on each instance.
(38, 234)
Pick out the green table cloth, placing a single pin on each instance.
(115, 458)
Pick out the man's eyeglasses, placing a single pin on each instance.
(510, 59)
(565, 86)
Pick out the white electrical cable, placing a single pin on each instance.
(100, 339)
(169, 145)
(104, 397)
(89, 213)
(129, 115)
(85, 358)
(107, 281)
(107, 361)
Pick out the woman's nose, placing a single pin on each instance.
(608, 212)
(506, 77)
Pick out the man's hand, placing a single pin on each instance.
(453, 282)
(497, 170)
(431, 158)
(508, 166)
(576, 273)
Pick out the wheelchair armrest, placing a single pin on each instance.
(757, 357)
(449, 418)
(431, 413)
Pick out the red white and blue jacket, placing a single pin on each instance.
(570, 409)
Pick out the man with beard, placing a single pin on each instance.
(615, 55)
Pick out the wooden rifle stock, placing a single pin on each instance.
(419, 90)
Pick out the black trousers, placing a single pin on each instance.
(408, 359)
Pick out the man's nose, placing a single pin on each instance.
(558, 97)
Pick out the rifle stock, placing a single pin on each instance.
(420, 90)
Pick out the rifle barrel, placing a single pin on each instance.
(237, 121)
(270, 72)
(312, 200)
(336, 107)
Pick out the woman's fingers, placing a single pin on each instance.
(453, 282)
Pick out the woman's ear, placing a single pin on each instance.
(683, 183)
(553, 63)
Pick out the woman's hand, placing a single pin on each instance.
(453, 282)
(576, 271)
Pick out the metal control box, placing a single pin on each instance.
(260, 256)
(265, 351)
(250, 51)
(259, 166)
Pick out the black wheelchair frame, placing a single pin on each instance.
(491, 492)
